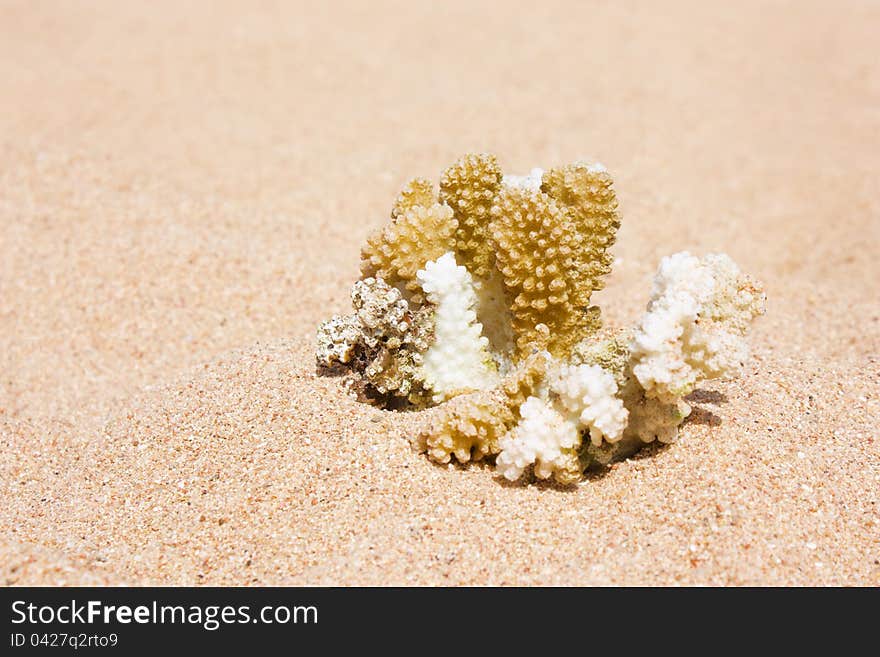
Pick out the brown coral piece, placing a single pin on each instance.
(469, 426)
(587, 195)
(382, 343)
(469, 187)
(417, 234)
(538, 253)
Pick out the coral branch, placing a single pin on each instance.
(469, 426)
(469, 187)
(536, 245)
(695, 325)
(581, 399)
(458, 361)
(585, 192)
(417, 192)
(416, 235)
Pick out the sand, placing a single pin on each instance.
(184, 188)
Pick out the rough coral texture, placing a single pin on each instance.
(537, 246)
(587, 194)
(476, 302)
(382, 338)
(337, 340)
(469, 187)
(544, 438)
(468, 427)
(418, 192)
(589, 392)
(459, 360)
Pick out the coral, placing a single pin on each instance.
(611, 353)
(648, 419)
(469, 426)
(469, 187)
(580, 400)
(458, 361)
(651, 419)
(418, 192)
(383, 337)
(493, 309)
(338, 339)
(585, 192)
(543, 437)
(695, 325)
(474, 304)
(415, 235)
(536, 246)
(589, 393)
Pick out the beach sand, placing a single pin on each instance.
(184, 189)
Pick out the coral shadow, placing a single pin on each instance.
(597, 471)
(332, 371)
(701, 415)
(701, 396)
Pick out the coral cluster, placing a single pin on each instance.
(476, 301)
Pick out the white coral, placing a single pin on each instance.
(579, 398)
(694, 327)
(588, 392)
(543, 437)
(458, 360)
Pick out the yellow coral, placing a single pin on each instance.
(469, 426)
(418, 191)
(417, 235)
(586, 194)
(538, 250)
(469, 187)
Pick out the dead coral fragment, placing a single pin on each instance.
(338, 339)
(469, 187)
(537, 251)
(383, 341)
